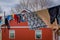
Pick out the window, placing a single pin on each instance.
(12, 34)
(38, 34)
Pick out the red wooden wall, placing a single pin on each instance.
(27, 34)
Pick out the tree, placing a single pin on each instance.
(1, 10)
(33, 5)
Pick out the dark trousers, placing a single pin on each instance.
(7, 23)
(54, 12)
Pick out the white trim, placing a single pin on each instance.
(17, 27)
(53, 35)
(20, 27)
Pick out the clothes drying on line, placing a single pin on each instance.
(7, 23)
(2, 20)
(19, 18)
(9, 17)
(34, 21)
(16, 17)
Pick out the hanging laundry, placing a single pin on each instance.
(19, 18)
(2, 20)
(34, 21)
(54, 12)
(9, 17)
(7, 23)
(16, 17)
(13, 16)
(23, 16)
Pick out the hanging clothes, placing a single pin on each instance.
(7, 23)
(19, 18)
(9, 17)
(13, 16)
(2, 20)
(34, 21)
(16, 17)
(23, 16)
(54, 13)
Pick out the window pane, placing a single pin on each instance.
(11, 34)
(38, 34)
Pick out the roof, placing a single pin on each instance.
(23, 11)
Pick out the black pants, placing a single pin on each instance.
(7, 23)
(54, 12)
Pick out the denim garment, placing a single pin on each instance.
(9, 17)
(54, 13)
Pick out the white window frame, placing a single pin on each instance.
(39, 31)
(11, 31)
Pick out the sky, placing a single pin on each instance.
(6, 5)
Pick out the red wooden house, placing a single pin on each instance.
(21, 31)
